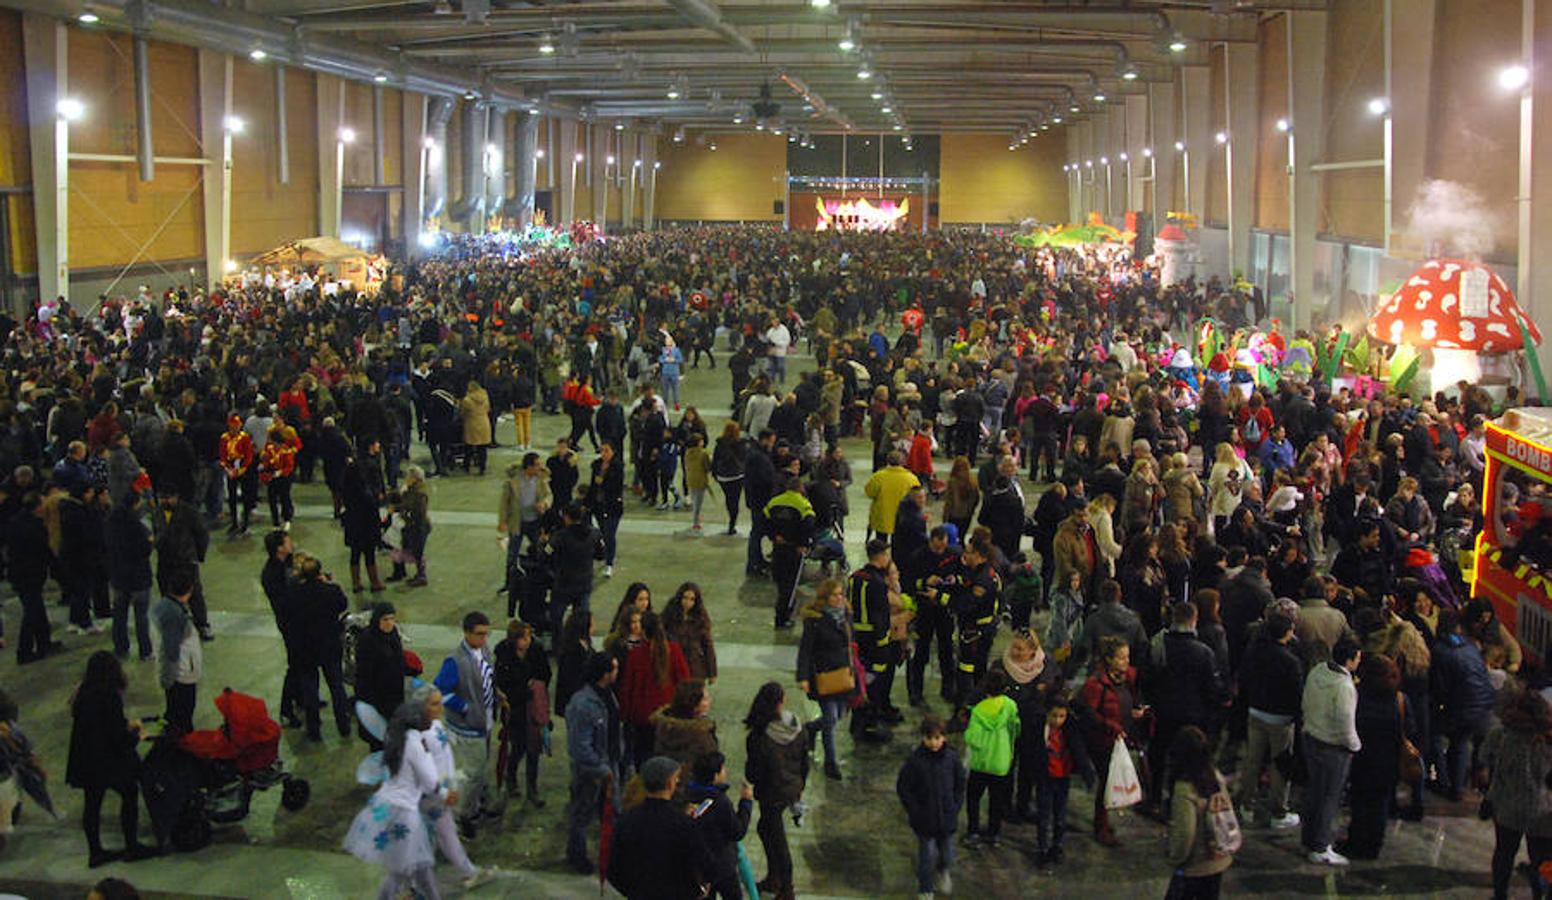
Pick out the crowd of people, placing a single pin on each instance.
(1231, 591)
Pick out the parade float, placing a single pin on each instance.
(1513, 559)
(1460, 319)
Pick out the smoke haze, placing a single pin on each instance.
(1452, 220)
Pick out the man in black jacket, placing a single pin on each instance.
(129, 573)
(180, 547)
(1245, 597)
(1272, 680)
(277, 584)
(1187, 689)
(759, 483)
(573, 549)
(27, 548)
(312, 614)
(657, 850)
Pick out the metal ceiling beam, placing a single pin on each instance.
(706, 15)
(233, 31)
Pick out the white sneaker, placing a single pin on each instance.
(944, 883)
(94, 628)
(1285, 822)
(608, 571)
(479, 876)
(1328, 857)
(73, 628)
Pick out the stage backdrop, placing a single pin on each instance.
(806, 208)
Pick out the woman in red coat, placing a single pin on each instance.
(653, 670)
(1109, 697)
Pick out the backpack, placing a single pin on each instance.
(1224, 837)
(1252, 430)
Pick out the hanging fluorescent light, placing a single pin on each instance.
(88, 18)
(257, 55)
(546, 46)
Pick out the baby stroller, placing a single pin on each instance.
(445, 430)
(195, 781)
(528, 595)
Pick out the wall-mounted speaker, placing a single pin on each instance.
(778, 208)
(932, 208)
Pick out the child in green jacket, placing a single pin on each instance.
(994, 725)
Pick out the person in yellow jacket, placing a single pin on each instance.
(886, 489)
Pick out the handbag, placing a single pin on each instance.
(835, 682)
(1411, 766)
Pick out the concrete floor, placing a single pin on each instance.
(854, 844)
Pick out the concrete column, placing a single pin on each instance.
(601, 170)
(1196, 133)
(525, 169)
(1243, 116)
(45, 50)
(630, 165)
(1162, 129)
(1086, 157)
(649, 168)
(1100, 138)
(412, 170)
(215, 107)
(497, 156)
(1306, 144)
(1075, 177)
(1411, 40)
(568, 169)
(331, 154)
(1534, 265)
(1116, 174)
(1135, 167)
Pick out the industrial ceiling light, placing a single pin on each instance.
(1379, 106)
(738, 120)
(546, 45)
(673, 92)
(657, 165)
(1074, 108)
(347, 135)
(429, 143)
(1512, 78)
(1147, 152)
(88, 18)
(679, 135)
(539, 153)
(380, 78)
(1104, 160)
(257, 55)
(712, 146)
(1177, 45)
(847, 43)
(886, 110)
(1124, 157)
(1057, 119)
(1099, 98)
(1221, 137)
(1128, 72)
(897, 128)
(1180, 146)
(864, 73)
(619, 126)
(609, 160)
(70, 109)
(1089, 163)
(1284, 125)
(819, 4)
(234, 124)
(878, 95)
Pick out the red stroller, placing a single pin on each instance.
(207, 778)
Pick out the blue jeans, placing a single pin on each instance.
(610, 526)
(587, 794)
(830, 711)
(670, 389)
(1465, 734)
(1051, 811)
(1327, 765)
(933, 855)
(756, 555)
(123, 601)
(778, 369)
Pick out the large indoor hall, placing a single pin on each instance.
(775, 449)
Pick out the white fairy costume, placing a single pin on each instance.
(390, 831)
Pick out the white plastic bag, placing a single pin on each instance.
(1122, 789)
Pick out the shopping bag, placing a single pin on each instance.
(1122, 789)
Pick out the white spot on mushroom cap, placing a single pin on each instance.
(1498, 328)
(1447, 345)
(1430, 329)
(1468, 330)
(1396, 328)
(1447, 304)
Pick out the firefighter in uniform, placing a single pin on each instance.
(934, 623)
(790, 521)
(976, 602)
(867, 590)
(242, 478)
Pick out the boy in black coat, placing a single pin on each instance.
(721, 825)
(1060, 752)
(931, 785)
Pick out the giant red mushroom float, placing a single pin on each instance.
(1459, 310)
